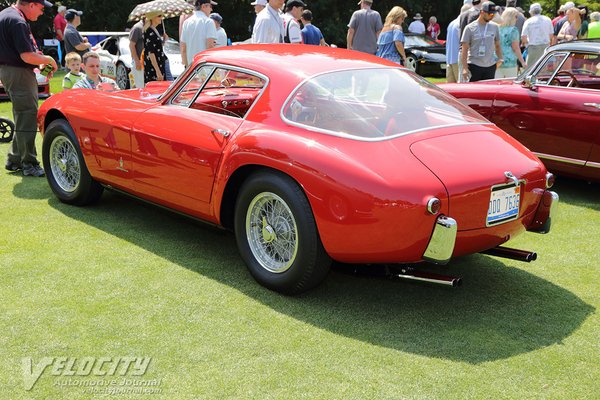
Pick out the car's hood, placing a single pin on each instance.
(470, 163)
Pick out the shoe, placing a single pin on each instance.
(33, 170)
(12, 166)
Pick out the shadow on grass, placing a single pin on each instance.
(578, 192)
(499, 312)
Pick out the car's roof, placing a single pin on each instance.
(288, 61)
(592, 45)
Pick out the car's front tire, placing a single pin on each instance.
(123, 77)
(411, 63)
(277, 235)
(65, 167)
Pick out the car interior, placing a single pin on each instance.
(575, 69)
(221, 91)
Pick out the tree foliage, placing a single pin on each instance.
(330, 16)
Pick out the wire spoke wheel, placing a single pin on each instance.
(122, 77)
(64, 164)
(7, 128)
(272, 232)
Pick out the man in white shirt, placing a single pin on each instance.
(417, 26)
(538, 33)
(221, 34)
(293, 12)
(199, 32)
(268, 27)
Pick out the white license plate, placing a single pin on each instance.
(443, 66)
(504, 204)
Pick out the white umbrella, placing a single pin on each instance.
(169, 8)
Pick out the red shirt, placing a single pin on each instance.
(60, 23)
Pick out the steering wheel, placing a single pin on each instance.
(228, 82)
(572, 83)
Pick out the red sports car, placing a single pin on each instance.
(553, 107)
(307, 156)
(43, 86)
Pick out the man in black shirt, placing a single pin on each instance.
(19, 55)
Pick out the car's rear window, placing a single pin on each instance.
(374, 104)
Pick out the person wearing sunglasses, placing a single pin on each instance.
(480, 46)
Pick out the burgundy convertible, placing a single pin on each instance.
(553, 107)
(308, 156)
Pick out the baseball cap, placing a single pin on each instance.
(71, 13)
(216, 16)
(568, 5)
(366, 1)
(259, 3)
(295, 3)
(489, 7)
(43, 2)
(211, 2)
(475, 2)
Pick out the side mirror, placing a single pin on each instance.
(529, 82)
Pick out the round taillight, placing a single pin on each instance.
(434, 205)
(549, 180)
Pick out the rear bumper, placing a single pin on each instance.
(545, 213)
(441, 245)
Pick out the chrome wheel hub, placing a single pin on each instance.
(271, 232)
(64, 164)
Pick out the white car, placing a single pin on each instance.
(116, 61)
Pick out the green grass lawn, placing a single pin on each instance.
(125, 279)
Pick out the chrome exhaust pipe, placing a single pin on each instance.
(413, 275)
(513, 254)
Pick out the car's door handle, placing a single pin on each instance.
(221, 132)
(592, 105)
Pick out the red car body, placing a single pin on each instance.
(557, 119)
(369, 197)
(43, 87)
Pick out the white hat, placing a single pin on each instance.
(535, 7)
(259, 3)
(417, 16)
(567, 6)
(62, 8)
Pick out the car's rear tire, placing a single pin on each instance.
(65, 167)
(7, 129)
(277, 235)
(122, 76)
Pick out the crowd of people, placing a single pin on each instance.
(484, 41)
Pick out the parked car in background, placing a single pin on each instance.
(424, 55)
(116, 61)
(43, 86)
(342, 156)
(553, 107)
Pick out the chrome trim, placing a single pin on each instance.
(511, 177)
(560, 159)
(430, 205)
(595, 105)
(553, 207)
(549, 176)
(441, 245)
(592, 164)
(215, 66)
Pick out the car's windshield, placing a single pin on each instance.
(419, 41)
(374, 104)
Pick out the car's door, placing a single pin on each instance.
(177, 146)
(558, 123)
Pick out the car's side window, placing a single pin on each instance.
(229, 92)
(577, 69)
(220, 90)
(549, 67)
(188, 92)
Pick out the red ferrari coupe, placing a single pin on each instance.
(553, 107)
(307, 155)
